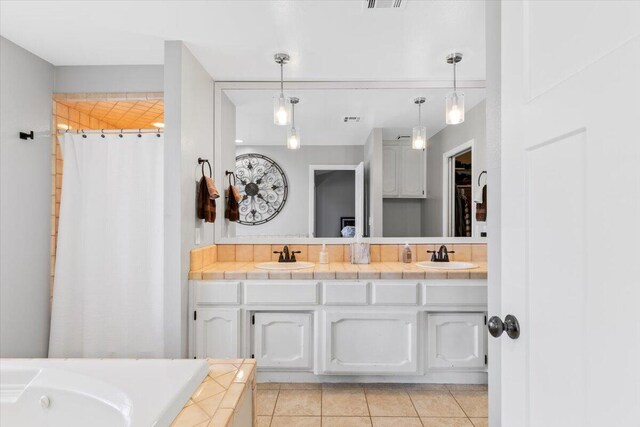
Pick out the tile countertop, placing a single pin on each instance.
(335, 270)
(215, 401)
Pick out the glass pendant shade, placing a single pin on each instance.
(281, 110)
(455, 108)
(419, 138)
(293, 139)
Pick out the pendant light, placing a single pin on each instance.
(419, 136)
(455, 100)
(281, 105)
(293, 137)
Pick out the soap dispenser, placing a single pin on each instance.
(406, 254)
(324, 255)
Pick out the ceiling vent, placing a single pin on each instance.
(351, 119)
(384, 4)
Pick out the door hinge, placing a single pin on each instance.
(486, 361)
(485, 319)
(423, 192)
(195, 315)
(253, 319)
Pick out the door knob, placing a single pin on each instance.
(497, 327)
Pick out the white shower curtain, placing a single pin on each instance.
(108, 289)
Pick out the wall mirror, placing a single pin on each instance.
(345, 163)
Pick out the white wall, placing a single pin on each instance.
(188, 92)
(26, 84)
(402, 217)
(473, 127)
(108, 78)
(293, 220)
(373, 182)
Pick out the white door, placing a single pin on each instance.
(217, 332)
(456, 341)
(412, 172)
(375, 342)
(359, 213)
(282, 340)
(570, 195)
(390, 181)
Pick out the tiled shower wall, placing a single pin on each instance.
(66, 117)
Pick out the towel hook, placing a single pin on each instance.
(227, 173)
(480, 176)
(202, 161)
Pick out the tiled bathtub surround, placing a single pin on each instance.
(237, 262)
(215, 401)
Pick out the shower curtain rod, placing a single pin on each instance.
(107, 131)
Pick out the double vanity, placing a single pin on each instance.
(385, 321)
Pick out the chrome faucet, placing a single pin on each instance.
(285, 255)
(441, 255)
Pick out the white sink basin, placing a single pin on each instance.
(452, 265)
(285, 265)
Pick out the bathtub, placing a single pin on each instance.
(95, 392)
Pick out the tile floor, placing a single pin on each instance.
(371, 405)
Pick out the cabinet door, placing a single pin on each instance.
(456, 340)
(390, 159)
(282, 340)
(375, 342)
(412, 172)
(217, 333)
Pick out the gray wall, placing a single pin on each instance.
(335, 198)
(108, 78)
(188, 92)
(473, 127)
(402, 217)
(294, 218)
(26, 84)
(373, 183)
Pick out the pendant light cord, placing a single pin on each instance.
(293, 115)
(420, 114)
(282, 78)
(455, 87)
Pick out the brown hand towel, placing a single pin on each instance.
(236, 194)
(481, 208)
(206, 206)
(232, 210)
(211, 187)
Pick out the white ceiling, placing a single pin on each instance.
(319, 115)
(236, 40)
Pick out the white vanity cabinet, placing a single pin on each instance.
(403, 170)
(321, 330)
(217, 332)
(282, 340)
(373, 342)
(456, 340)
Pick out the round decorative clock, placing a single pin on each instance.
(263, 186)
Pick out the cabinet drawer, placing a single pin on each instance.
(217, 293)
(394, 293)
(344, 293)
(462, 295)
(281, 293)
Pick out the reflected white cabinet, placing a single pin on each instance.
(456, 340)
(282, 340)
(217, 333)
(403, 170)
(375, 342)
